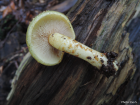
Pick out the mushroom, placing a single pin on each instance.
(50, 34)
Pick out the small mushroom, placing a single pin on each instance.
(43, 25)
(50, 34)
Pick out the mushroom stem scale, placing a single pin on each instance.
(68, 45)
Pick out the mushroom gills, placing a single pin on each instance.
(68, 45)
(44, 24)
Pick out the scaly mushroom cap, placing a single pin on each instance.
(40, 28)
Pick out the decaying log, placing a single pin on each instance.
(99, 24)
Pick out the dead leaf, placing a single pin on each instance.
(6, 11)
(11, 7)
(42, 1)
(1, 69)
(29, 17)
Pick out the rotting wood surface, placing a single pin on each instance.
(100, 25)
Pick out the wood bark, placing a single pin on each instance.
(99, 24)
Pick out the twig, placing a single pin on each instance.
(16, 64)
(16, 55)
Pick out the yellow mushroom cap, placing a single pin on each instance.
(40, 28)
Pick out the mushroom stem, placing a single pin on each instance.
(68, 45)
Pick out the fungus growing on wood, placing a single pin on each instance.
(50, 34)
(43, 25)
